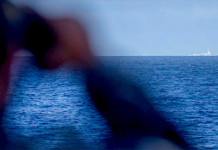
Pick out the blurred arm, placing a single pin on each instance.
(127, 109)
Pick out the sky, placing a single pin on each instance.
(141, 27)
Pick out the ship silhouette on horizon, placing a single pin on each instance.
(206, 54)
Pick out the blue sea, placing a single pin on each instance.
(51, 109)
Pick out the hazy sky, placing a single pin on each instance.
(142, 27)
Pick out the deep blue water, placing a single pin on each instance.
(50, 109)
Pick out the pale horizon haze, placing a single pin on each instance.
(141, 27)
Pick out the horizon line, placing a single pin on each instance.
(133, 55)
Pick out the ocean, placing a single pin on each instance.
(51, 108)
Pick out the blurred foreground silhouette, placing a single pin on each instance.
(134, 122)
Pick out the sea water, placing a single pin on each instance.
(52, 109)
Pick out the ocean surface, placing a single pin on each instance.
(52, 109)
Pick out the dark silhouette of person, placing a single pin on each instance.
(134, 122)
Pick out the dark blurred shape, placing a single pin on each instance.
(128, 111)
(39, 38)
(3, 50)
(29, 30)
(3, 35)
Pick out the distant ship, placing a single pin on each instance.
(205, 54)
